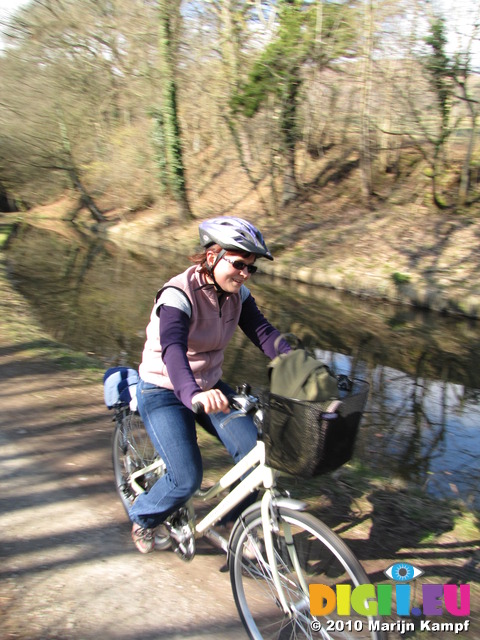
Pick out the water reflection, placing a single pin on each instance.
(428, 427)
(423, 413)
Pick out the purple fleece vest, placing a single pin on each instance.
(211, 329)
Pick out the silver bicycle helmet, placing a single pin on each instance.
(233, 234)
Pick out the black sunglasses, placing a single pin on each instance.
(240, 265)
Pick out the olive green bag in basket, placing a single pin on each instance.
(300, 376)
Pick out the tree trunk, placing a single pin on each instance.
(169, 111)
(289, 112)
(7, 203)
(85, 198)
(465, 175)
(437, 171)
(365, 143)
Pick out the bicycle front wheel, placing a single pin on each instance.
(306, 552)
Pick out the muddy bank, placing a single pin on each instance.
(404, 257)
(404, 253)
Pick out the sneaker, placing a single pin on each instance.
(143, 538)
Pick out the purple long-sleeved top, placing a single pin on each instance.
(174, 328)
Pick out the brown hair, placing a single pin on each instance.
(201, 257)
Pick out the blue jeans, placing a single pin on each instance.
(171, 427)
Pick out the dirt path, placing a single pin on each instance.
(68, 568)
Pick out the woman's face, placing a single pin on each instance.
(228, 277)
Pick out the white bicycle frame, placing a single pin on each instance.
(259, 475)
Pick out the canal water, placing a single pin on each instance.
(423, 417)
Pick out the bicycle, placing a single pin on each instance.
(275, 550)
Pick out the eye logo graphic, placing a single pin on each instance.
(368, 600)
(403, 572)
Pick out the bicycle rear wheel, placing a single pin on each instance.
(132, 451)
(306, 552)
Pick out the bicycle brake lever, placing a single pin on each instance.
(242, 402)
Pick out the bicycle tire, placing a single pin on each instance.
(323, 558)
(132, 450)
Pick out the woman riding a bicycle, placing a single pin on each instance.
(192, 321)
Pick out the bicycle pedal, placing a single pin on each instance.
(181, 535)
(185, 549)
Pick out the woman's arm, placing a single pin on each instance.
(258, 329)
(174, 325)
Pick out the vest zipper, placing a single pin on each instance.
(221, 300)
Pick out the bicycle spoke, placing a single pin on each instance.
(306, 552)
(132, 451)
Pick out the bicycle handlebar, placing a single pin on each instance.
(198, 408)
(240, 401)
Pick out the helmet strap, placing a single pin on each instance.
(211, 273)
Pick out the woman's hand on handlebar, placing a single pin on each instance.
(212, 401)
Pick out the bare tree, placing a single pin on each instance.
(89, 61)
(463, 76)
(277, 71)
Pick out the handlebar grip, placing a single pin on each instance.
(198, 408)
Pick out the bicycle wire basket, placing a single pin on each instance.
(304, 439)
